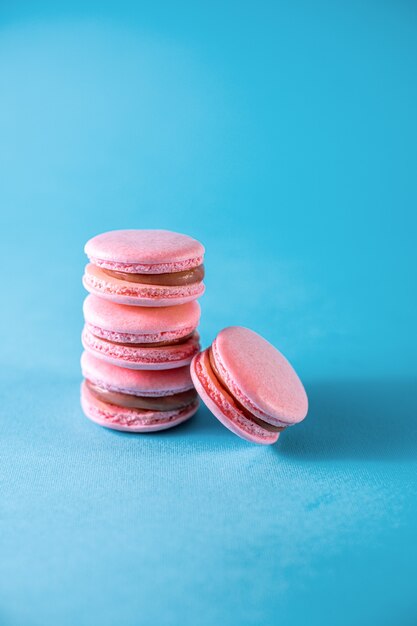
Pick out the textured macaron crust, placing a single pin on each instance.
(145, 251)
(145, 267)
(140, 357)
(126, 324)
(131, 419)
(146, 383)
(249, 385)
(140, 337)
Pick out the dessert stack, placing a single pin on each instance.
(140, 332)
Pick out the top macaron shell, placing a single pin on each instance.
(122, 323)
(259, 376)
(145, 251)
(138, 382)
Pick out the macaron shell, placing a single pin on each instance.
(223, 407)
(135, 294)
(140, 323)
(259, 376)
(145, 251)
(134, 357)
(140, 382)
(131, 420)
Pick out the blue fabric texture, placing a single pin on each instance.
(283, 136)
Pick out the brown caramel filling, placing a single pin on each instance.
(128, 401)
(155, 344)
(173, 279)
(215, 375)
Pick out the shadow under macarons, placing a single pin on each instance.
(373, 419)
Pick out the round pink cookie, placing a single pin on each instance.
(131, 419)
(147, 383)
(249, 385)
(117, 255)
(140, 337)
(126, 324)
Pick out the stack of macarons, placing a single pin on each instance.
(140, 332)
(142, 364)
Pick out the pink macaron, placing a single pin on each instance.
(249, 385)
(141, 337)
(145, 267)
(136, 400)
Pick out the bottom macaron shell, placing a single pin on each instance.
(132, 420)
(97, 282)
(223, 407)
(133, 357)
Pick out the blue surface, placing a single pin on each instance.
(284, 136)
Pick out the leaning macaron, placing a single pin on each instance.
(136, 400)
(141, 337)
(145, 267)
(249, 385)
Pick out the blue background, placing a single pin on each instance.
(284, 136)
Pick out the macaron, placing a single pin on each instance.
(140, 337)
(249, 385)
(145, 267)
(136, 400)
